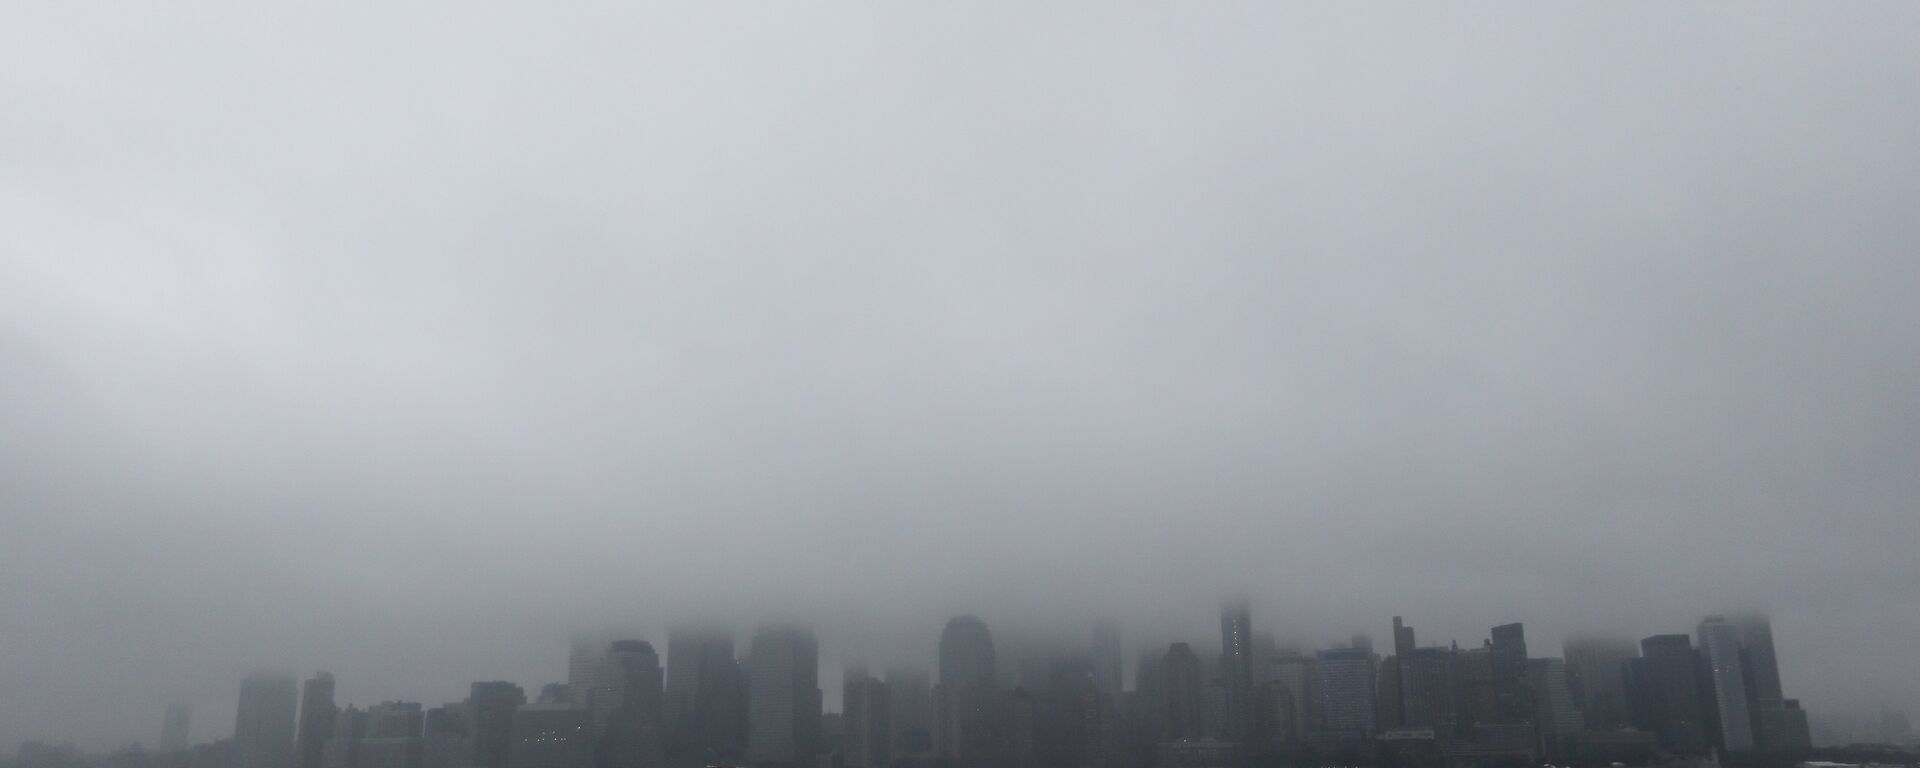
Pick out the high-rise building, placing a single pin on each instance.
(1783, 726)
(1346, 677)
(1106, 658)
(1427, 689)
(175, 728)
(1295, 672)
(625, 705)
(1513, 703)
(1396, 708)
(1596, 674)
(968, 726)
(446, 739)
(583, 666)
(264, 724)
(490, 708)
(342, 749)
(1236, 669)
(1756, 646)
(1726, 688)
(1666, 681)
(1474, 702)
(629, 684)
(391, 738)
(783, 674)
(1183, 700)
(868, 709)
(550, 736)
(705, 703)
(1273, 706)
(316, 719)
(1556, 716)
(911, 695)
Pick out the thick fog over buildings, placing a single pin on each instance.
(415, 341)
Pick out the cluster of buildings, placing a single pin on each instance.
(1602, 700)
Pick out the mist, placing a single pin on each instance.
(409, 342)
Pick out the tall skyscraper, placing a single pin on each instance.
(583, 665)
(391, 738)
(1236, 668)
(342, 749)
(1596, 675)
(1756, 645)
(1106, 658)
(627, 682)
(1513, 703)
(446, 739)
(868, 708)
(626, 705)
(316, 719)
(968, 726)
(1726, 684)
(705, 703)
(1474, 703)
(1556, 716)
(783, 674)
(1666, 680)
(1183, 707)
(911, 694)
(1396, 708)
(175, 728)
(264, 724)
(490, 708)
(1427, 689)
(1346, 677)
(1295, 672)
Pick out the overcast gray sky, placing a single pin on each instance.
(405, 339)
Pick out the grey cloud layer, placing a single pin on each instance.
(406, 341)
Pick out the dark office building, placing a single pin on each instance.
(868, 707)
(1427, 689)
(911, 695)
(1236, 669)
(446, 739)
(1183, 706)
(490, 708)
(704, 707)
(1782, 726)
(391, 738)
(317, 711)
(263, 727)
(1345, 686)
(969, 725)
(1513, 702)
(1474, 701)
(783, 664)
(1666, 683)
(1596, 674)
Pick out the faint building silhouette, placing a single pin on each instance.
(783, 674)
(1236, 670)
(317, 711)
(176, 728)
(1346, 678)
(490, 708)
(1725, 685)
(1183, 707)
(1666, 683)
(1513, 702)
(263, 728)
